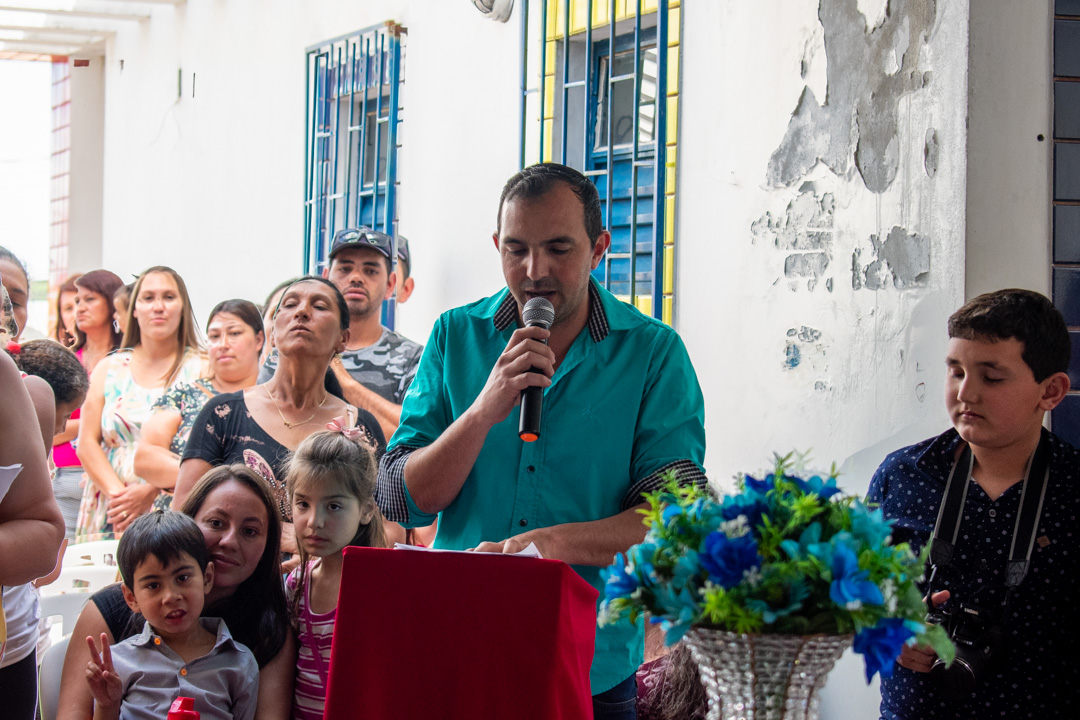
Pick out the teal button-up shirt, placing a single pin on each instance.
(623, 407)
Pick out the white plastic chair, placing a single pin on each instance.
(65, 605)
(86, 578)
(98, 552)
(52, 666)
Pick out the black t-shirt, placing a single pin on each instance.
(225, 433)
(118, 616)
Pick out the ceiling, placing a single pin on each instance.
(41, 29)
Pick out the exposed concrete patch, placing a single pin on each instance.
(930, 152)
(902, 259)
(862, 98)
(810, 265)
(805, 232)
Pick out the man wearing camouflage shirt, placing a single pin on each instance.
(378, 364)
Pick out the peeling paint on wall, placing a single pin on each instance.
(792, 356)
(902, 259)
(806, 334)
(868, 73)
(805, 232)
(805, 349)
(930, 152)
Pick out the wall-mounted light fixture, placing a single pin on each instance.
(498, 10)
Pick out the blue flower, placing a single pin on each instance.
(824, 489)
(761, 487)
(808, 540)
(750, 504)
(880, 645)
(706, 512)
(726, 560)
(639, 559)
(669, 514)
(850, 588)
(868, 525)
(680, 610)
(687, 568)
(617, 581)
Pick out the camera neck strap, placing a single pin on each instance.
(951, 512)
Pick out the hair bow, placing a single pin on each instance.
(340, 424)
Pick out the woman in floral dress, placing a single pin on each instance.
(160, 349)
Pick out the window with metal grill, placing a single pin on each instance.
(604, 94)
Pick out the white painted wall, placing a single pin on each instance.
(213, 184)
(87, 171)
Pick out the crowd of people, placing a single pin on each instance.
(235, 471)
(140, 412)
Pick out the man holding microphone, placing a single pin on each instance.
(621, 407)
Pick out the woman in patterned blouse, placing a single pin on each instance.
(235, 338)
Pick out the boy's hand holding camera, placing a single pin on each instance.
(921, 658)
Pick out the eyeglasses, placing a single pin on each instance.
(352, 236)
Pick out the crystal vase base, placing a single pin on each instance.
(763, 677)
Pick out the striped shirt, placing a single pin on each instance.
(313, 662)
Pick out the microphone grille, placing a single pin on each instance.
(538, 312)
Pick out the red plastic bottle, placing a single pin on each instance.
(183, 708)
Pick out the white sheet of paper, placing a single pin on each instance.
(529, 551)
(8, 473)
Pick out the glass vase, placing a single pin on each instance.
(763, 677)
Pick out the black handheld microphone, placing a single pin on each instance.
(538, 312)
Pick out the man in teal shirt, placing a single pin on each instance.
(622, 406)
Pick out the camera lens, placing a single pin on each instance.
(958, 679)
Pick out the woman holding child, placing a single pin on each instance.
(238, 518)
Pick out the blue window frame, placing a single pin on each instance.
(603, 101)
(352, 122)
(628, 128)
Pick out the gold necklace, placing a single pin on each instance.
(291, 425)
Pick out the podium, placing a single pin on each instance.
(425, 635)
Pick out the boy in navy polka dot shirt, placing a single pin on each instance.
(1007, 360)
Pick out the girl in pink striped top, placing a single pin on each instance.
(331, 484)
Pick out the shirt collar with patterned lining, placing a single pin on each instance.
(506, 314)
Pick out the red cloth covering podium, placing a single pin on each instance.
(424, 635)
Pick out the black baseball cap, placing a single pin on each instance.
(403, 250)
(361, 236)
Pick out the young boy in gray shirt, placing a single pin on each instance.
(167, 573)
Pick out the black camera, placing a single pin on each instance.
(978, 639)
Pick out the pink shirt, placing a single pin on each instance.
(313, 662)
(64, 455)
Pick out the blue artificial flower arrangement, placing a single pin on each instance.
(786, 555)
